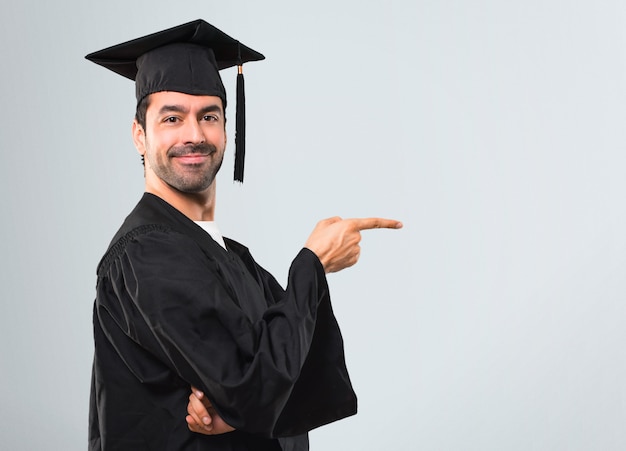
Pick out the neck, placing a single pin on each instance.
(196, 206)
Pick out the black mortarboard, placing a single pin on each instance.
(185, 59)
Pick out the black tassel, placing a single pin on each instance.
(240, 128)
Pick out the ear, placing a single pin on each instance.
(139, 138)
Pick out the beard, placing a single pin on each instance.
(191, 178)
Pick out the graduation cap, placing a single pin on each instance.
(186, 59)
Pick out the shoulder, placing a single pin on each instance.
(153, 226)
(149, 242)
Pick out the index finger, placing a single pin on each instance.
(375, 223)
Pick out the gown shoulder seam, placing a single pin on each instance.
(119, 246)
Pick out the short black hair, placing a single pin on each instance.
(140, 114)
(140, 117)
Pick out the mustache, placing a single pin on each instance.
(192, 149)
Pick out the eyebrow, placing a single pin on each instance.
(184, 110)
(172, 109)
(215, 108)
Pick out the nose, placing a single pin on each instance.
(193, 133)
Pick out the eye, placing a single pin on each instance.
(210, 118)
(171, 119)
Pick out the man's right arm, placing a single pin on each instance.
(202, 416)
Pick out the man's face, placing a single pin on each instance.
(184, 140)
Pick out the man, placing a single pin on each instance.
(178, 305)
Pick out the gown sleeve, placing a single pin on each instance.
(162, 292)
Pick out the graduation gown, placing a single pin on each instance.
(174, 309)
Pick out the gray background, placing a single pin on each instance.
(493, 129)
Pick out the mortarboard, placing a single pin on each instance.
(186, 59)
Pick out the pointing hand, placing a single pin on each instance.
(335, 241)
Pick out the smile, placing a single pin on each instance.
(193, 158)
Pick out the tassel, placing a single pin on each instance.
(240, 127)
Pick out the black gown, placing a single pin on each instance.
(174, 309)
